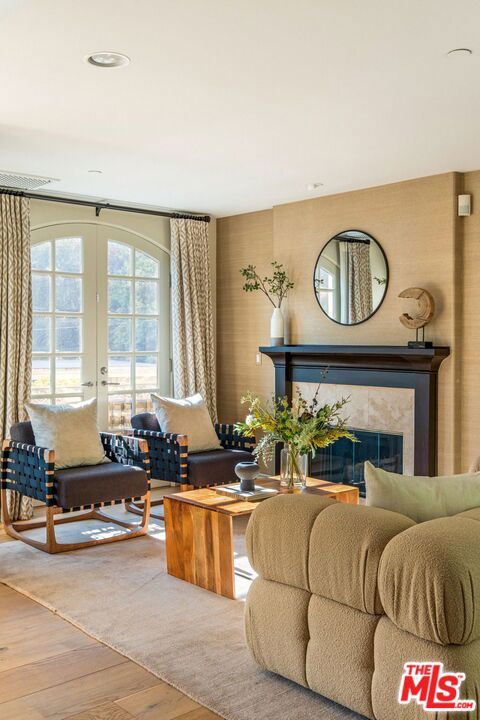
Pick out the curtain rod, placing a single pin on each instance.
(105, 206)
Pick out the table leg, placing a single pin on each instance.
(200, 546)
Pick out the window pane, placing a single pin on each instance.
(326, 279)
(41, 256)
(41, 376)
(119, 259)
(145, 265)
(326, 301)
(146, 297)
(143, 403)
(41, 293)
(41, 334)
(67, 400)
(119, 296)
(68, 294)
(68, 374)
(146, 371)
(119, 411)
(119, 334)
(68, 255)
(68, 334)
(146, 331)
(120, 370)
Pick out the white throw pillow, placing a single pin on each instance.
(189, 417)
(70, 430)
(421, 498)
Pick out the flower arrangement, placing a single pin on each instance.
(302, 427)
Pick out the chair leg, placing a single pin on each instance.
(50, 530)
(17, 529)
(147, 501)
(137, 508)
(51, 544)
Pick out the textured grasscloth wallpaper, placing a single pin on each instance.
(426, 245)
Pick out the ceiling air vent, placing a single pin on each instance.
(23, 181)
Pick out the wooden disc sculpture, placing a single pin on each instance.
(426, 308)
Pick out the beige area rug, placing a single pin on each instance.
(193, 639)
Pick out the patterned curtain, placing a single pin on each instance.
(344, 283)
(192, 317)
(361, 303)
(15, 325)
(357, 280)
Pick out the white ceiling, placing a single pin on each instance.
(236, 105)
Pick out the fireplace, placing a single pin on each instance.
(343, 461)
(383, 420)
(393, 400)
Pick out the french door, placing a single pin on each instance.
(100, 319)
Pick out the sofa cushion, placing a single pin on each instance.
(429, 580)
(276, 627)
(278, 537)
(188, 417)
(215, 467)
(421, 498)
(473, 514)
(339, 658)
(70, 430)
(99, 483)
(346, 544)
(394, 648)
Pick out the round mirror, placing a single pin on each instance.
(351, 277)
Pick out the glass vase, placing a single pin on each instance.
(293, 468)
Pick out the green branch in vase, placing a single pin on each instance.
(275, 288)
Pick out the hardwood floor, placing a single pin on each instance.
(50, 669)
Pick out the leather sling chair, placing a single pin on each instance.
(30, 470)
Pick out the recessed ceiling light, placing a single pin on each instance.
(314, 186)
(460, 51)
(108, 59)
(96, 172)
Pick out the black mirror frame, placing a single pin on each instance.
(342, 232)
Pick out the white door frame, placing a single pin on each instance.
(91, 273)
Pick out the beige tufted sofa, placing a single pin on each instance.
(347, 594)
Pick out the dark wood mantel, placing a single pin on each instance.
(370, 365)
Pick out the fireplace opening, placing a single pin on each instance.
(342, 462)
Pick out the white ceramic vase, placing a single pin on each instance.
(277, 327)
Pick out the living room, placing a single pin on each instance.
(239, 328)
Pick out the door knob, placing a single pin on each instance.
(87, 384)
(104, 370)
(105, 382)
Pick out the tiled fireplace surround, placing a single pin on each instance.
(378, 409)
(392, 389)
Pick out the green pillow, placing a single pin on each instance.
(422, 498)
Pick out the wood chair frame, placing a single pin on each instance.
(38, 482)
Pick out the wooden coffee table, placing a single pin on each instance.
(199, 531)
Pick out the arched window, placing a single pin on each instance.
(101, 319)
